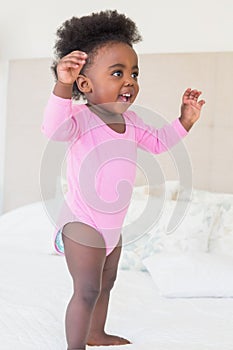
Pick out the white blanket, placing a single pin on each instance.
(35, 288)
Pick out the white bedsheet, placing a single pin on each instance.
(35, 287)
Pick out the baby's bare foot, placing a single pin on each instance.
(106, 339)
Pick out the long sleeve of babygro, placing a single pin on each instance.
(159, 140)
(59, 122)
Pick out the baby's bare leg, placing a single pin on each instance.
(97, 335)
(85, 264)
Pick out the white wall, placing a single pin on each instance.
(28, 27)
(3, 103)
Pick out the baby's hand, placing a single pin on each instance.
(190, 108)
(69, 67)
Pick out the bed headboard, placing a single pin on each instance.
(163, 78)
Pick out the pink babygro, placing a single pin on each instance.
(101, 163)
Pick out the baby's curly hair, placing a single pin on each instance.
(89, 33)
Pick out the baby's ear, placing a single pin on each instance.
(84, 84)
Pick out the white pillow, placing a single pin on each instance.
(202, 196)
(173, 188)
(221, 238)
(170, 189)
(192, 275)
(192, 235)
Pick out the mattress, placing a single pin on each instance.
(35, 288)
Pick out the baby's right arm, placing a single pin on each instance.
(59, 122)
(68, 69)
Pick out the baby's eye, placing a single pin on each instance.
(135, 75)
(117, 73)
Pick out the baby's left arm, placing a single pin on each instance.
(190, 108)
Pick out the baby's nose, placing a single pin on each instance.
(129, 81)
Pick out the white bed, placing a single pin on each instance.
(153, 310)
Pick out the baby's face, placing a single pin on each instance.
(113, 77)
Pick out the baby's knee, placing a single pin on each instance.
(88, 295)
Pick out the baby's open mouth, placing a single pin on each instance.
(125, 97)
